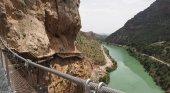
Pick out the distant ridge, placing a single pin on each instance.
(96, 35)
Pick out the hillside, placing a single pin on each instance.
(96, 36)
(147, 30)
(148, 26)
(101, 61)
(147, 36)
(88, 45)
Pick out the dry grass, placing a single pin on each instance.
(91, 48)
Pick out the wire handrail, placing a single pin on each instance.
(89, 86)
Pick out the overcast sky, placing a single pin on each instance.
(107, 16)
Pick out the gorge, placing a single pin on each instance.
(50, 30)
(148, 33)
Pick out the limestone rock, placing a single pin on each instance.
(45, 27)
(41, 27)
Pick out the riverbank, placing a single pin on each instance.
(110, 62)
(101, 63)
(130, 76)
(110, 66)
(156, 68)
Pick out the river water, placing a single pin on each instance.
(130, 76)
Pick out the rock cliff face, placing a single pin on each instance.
(77, 67)
(148, 26)
(41, 27)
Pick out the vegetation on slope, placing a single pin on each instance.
(149, 33)
(105, 79)
(160, 50)
(99, 37)
(90, 47)
(87, 43)
(149, 26)
(160, 72)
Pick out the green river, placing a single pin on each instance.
(130, 76)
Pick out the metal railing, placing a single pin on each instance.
(4, 75)
(88, 85)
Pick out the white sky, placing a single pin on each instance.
(107, 16)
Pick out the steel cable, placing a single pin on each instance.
(76, 80)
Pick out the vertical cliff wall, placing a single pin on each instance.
(41, 27)
(45, 27)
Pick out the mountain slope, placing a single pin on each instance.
(148, 33)
(101, 62)
(87, 44)
(147, 30)
(150, 25)
(96, 36)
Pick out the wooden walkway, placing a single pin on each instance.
(44, 58)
